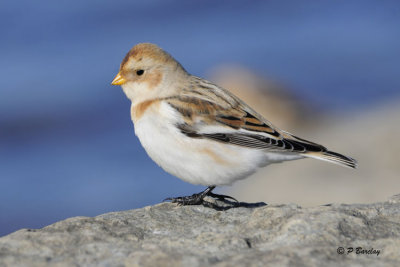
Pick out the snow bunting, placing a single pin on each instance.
(200, 132)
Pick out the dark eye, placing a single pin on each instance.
(139, 72)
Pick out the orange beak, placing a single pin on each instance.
(118, 80)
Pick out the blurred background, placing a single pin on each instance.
(327, 71)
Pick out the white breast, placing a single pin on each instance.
(197, 161)
(194, 160)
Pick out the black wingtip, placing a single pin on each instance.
(340, 159)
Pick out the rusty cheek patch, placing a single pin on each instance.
(214, 156)
(153, 79)
(138, 110)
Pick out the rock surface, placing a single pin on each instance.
(222, 235)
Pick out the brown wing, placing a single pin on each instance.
(235, 126)
(234, 122)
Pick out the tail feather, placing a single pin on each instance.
(333, 157)
(316, 151)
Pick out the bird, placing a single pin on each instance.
(199, 131)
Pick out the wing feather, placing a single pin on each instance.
(211, 112)
(206, 106)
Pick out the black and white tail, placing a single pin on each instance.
(316, 151)
(333, 157)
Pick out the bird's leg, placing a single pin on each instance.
(197, 199)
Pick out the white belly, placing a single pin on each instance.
(194, 160)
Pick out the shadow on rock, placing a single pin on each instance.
(225, 204)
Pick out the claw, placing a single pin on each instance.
(172, 199)
(197, 199)
(194, 199)
(221, 197)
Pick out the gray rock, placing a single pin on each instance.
(224, 235)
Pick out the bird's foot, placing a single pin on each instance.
(198, 199)
(195, 199)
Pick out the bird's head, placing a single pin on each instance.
(148, 72)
